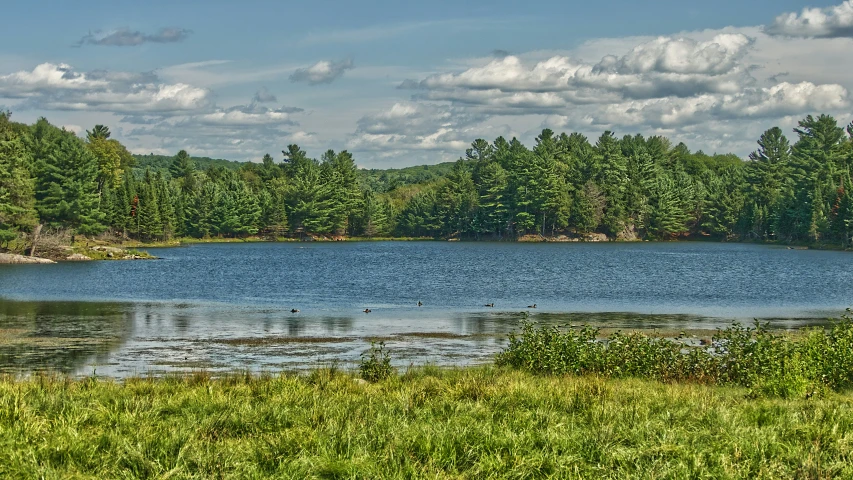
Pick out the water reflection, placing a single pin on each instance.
(59, 336)
(127, 339)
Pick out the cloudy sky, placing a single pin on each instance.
(401, 84)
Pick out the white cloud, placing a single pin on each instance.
(717, 89)
(324, 71)
(58, 87)
(44, 77)
(414, 126)
(661, 67)
(830, 22)
(681, 56)
(755, 103)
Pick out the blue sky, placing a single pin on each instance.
(402, 83)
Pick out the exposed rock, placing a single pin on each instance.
(77, 257)
(628, 234)
(595, 237)
(531, 238)
(10, 258)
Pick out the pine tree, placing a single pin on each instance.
(17, 211)
(493, 212)
(66, 183)
(149, 225)
(166, 209)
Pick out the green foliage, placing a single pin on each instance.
(66, 175)
(752, 357)
(429, 423)
(625, 188)
(17, 200)
(375, 363)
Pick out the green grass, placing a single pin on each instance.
(427, 423)
(807, 362)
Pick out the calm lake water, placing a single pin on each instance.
(227, 306)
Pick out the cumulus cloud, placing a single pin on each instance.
(264, 96)
(415, 126)
(753, 103)
(830, 22)
(661, 67)
(249, 115)
(125, 37)
(157, 116)
(237, 132)
(719, 89)
(324, 71)
(59, 87)
(681, 56)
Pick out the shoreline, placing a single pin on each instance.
(99, 249)
(527, 239)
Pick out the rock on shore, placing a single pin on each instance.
(11, 258)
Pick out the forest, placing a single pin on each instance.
(629, 188)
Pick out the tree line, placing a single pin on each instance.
(633, 187)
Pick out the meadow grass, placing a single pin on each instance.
(483, 422)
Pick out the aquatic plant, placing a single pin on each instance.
(808, 362)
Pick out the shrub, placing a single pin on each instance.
(753, 357)
(376, 363)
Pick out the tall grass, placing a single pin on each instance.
(813, 361)
(426, 423)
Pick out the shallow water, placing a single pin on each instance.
(227, 306)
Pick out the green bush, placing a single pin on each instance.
(376, 363)
(767, 363)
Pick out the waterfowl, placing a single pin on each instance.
(532, 306)
(294, 311)
(489, 305)
(367, 310)
(419, 303)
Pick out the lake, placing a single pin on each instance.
(228, 306)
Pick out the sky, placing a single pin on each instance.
(406, 83)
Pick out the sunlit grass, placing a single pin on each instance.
(426, 423)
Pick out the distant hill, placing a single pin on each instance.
(379, 180)
(162, 162)
(385, 180)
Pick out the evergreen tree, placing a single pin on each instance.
(17, 211)
(66, 181)
(149, 226)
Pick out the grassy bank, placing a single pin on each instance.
(426, 423)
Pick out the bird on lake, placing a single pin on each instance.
(294, 311)
(532, 306)
(367, 310)
(419, 303)
(489, 305)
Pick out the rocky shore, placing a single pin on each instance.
(11, 258)
(70, 254)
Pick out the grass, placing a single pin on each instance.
(426, 423)
(559, 403)
(808, 362)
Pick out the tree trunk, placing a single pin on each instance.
(36, 233)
